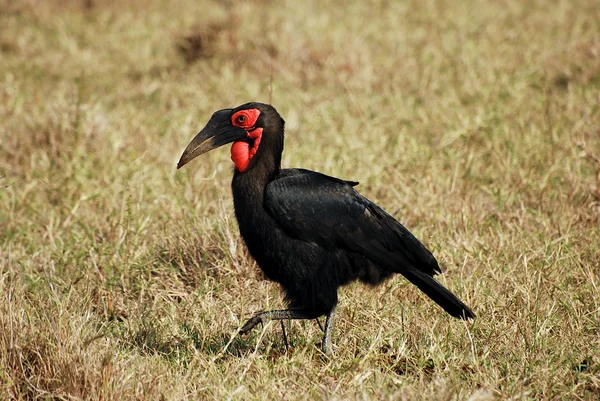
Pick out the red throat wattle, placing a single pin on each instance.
(241, 151)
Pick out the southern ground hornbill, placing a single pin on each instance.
(309, 232)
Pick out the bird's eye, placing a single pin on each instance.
(241, 119)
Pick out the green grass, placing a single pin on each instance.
(476, 124)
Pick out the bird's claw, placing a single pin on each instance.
(250, 324)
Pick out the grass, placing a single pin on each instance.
(477, 124)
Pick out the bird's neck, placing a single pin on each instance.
(248, 189)
(248, 186)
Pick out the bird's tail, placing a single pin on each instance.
(439, 294)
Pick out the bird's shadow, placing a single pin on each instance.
(233, 345)
(150, 339)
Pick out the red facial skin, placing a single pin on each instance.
(241, 153)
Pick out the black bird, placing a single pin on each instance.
(309, 232)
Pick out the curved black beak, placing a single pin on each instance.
(218, 132)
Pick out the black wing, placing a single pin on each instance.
(327, 211)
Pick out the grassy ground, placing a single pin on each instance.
(476, 124)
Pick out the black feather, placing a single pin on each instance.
(328, 212)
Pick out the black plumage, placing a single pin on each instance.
(307, 231)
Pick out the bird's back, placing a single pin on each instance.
(329, 212)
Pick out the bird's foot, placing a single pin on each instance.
(252, 322)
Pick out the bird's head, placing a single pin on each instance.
(251, 127)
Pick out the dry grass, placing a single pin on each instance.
(477, 125)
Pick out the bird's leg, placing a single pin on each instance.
(264, 317)
(285, 340)
(329, 323)
(319, 323)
